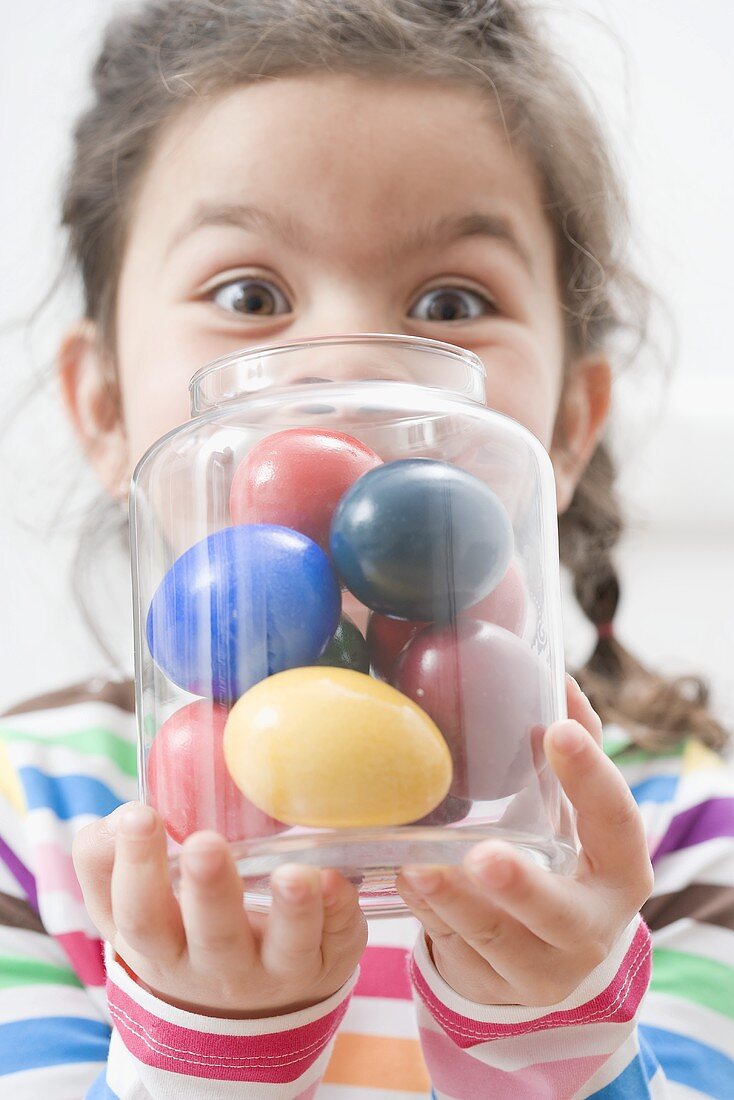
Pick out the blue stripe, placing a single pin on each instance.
(52, 1041)
(661, 788)
(67, 795)
(690, 1063)
(633, 1082)
(100, 1090)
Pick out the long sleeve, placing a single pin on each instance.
(656, 1019)
(571, 1049)
(72, 1023)
(164, 1053)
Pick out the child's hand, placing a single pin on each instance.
(207, 954)
(503, 931)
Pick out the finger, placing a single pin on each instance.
(344, 923)
(145, 912)
(581, 710)
(212, 908)
(609, 824)
(494, 934)
(292, 941)
(93, 855)
(408, 886)
(553, 907)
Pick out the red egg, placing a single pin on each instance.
(296, 478)
(486, 690)
(385, 638)
(189, 782)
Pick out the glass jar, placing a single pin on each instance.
(347, 616)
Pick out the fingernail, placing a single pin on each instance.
(203, 860)
(492, 868)
(139, 821)
(293, 885)
(425, 880)
(569, 738)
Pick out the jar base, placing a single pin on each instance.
(371, 859)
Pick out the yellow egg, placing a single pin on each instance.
(332, 748)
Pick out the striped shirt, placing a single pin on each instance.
(656, 1019)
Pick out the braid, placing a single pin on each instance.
(655, 711)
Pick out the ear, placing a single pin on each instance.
(92, 400)
(582, 414)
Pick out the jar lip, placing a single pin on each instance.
(262, 350)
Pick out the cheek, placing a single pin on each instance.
(523, 379)
(155, 399)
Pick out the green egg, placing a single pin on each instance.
(347, 648)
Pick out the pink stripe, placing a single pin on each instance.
(85, 955)
(55, 871)
(464, 1077)
(384, 973)
(273, 1058)
(309, 1093)
(615, 1004)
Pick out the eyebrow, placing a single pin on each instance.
(444, 231)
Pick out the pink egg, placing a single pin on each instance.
(486, 690)
(357, 612)
(189, 782)
(506, 605)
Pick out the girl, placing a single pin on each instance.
(252, 171)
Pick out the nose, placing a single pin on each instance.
(350, 358)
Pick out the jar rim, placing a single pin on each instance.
(196, 385)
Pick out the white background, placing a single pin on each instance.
(662, 71)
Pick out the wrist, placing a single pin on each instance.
(221, 1013)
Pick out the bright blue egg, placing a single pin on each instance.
(240, 605)
(420, 539)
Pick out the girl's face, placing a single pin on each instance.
(327, 204)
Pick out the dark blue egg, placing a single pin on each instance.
(240, 605)
(420, 539)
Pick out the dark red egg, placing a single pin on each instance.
(385, 638)
(485, 689)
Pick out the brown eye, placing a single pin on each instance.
(251, 297)
(447, 304)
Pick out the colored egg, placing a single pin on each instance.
(241, 605)
(506, 605)
(188, 781)
(448, 812)
(332, 748)
(420, 539)
(486, 690)
(357, 612)
(385, 638)
(347, 649)
(296, 478)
